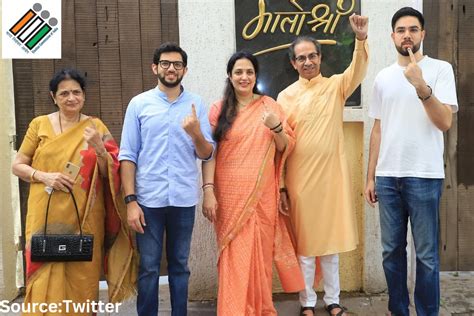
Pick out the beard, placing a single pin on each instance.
(169, 84)
(404, 51)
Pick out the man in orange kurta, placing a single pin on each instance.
(317, 175)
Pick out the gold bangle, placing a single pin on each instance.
(32, 176)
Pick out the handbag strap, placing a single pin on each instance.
(75, 206)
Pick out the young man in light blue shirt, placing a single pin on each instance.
(165, 130)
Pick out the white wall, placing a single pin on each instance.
(9, 199)
(11, 261)
(206, 31)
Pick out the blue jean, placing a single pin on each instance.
(178, 223)
(417, 199)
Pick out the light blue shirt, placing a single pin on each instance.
(164, 154)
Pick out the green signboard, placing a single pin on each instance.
(266, 28)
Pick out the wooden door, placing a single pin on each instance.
(112, 43)
(449, 25)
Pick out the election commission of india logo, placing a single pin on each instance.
(31, 29)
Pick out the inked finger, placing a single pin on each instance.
(412, 56)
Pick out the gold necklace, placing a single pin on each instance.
(61, 126)
(242, 105)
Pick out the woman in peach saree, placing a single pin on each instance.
(50, 142)
(241, 194)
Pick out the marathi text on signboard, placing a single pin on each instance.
(267, 28)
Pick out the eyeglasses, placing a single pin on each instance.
(302, 59)
(165, 64)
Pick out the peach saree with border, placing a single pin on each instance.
(251, 232)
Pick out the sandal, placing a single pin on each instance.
(306, 308)
(330, 307)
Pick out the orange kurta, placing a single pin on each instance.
(101, 211)
(317, 175)
(251, 233)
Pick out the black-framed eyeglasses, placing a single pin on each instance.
(165, 64)
(302, 59)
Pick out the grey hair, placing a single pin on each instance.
(300, 39)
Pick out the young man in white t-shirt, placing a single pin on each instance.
(412, 104)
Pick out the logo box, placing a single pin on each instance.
(31, 29)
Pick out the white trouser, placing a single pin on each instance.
(330, 269)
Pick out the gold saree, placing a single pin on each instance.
(101, 211)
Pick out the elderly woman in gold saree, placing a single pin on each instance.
(50, 142)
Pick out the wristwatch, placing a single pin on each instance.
(130, 198)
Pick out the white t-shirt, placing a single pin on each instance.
(411, 145)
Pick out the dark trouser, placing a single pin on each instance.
(178, 223)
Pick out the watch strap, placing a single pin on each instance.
(130, 198)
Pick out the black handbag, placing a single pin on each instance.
(62, 247)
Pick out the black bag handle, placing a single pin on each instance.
(75, 205)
